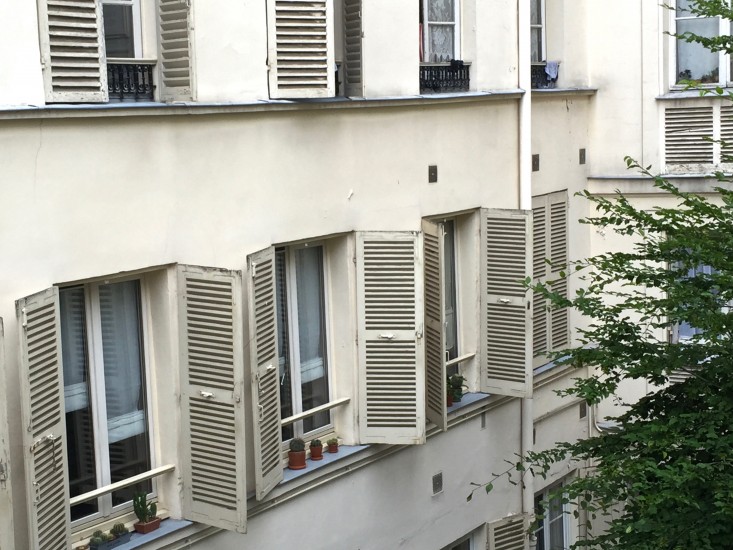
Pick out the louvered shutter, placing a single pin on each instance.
(212, 404)
(391, 354)
(726, 134)
(300, 48)
(506, 321)
(435, 371)
(509, 533)
(353, 34)
(540, 340)
(559, 260)
(72, 53)
(44, 421)
(265, 373)
(175, 50)
(686, 135)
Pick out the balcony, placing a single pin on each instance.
(440, 78)
(130, 80)
(541, 78)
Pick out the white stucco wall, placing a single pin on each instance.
(20, 57)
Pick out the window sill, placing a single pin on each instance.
(467, 400)
(172, 527)
(328, 458)
(683, 93)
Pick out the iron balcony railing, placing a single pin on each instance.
(130, 80)
(444, 77)
(540, 77)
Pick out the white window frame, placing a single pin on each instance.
(136, 23)
(98, 398)
(456, 282)
(564, 517)
(456, 25)
(543, 34)
(293, 339)
(725, 76)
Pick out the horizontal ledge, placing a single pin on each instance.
(312, 412)
(558, 92)
(122, 484)
(460, 359)
(130, 61)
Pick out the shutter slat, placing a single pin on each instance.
(212, 404)
(175, 51)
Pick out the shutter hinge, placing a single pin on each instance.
(23, 318)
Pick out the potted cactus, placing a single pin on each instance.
(99, 541)
(296, 456)
(120, 533)
(333, 445)
(146, 513)
(316, 450)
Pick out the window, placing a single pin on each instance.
(537, 26)
(122, 28)
(439, 24)
(450, 293)
(105, 392)
(302, 342)
(552, 529)
(694, 61)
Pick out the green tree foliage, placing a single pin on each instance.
(667, 469)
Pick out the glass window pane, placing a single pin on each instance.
(283, 336)
(79, 427)
(441, 10)
(119, 37)
(683, 7)
(312, 334)
(449, 290)
(536, 33)
(694, 62)
(124, 381)
(535, 12)
(441, 40)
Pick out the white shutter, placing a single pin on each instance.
(506, 321)
(686, 135)
(300, 48)
(175, 50)
(44, 433)
(509, 533)
(265, 373)
(353, 34)
(726, 134)
(212, 404)
(540, 339)
(559, 259)
(435, 372)
(72, 53)
(391, 354)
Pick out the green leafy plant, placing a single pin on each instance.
(297, 445)
(456, 385)
(144, 511)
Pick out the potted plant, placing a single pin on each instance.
(316, 450)
(457, 384)
(296, 456)
(98, 541)
(448, 393)
(120, 533)
(333, 445)
(146, 513)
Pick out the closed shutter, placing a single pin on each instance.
(391, 355)
(687, 133)
(506, 321)
(44, 433)
(435, 371)
(540, 338)
(559, 260)
(265, 373)
(300, 48)
(353, 34)
(509, 533)
(72, 53)
(175, 50)
(726, 134)
(212, 404)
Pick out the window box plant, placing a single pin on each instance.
(146, 513)
(117, 536)
(456, 385)
(296, 456)
(333, 445)
(316, 449)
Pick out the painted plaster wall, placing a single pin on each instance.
(496, 62)
(389, 504)
(566, 29)
(21, 82)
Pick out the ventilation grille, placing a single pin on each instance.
(210, 332)
(505, 351)
(352, 41)
(174, 44)
(44, 371)
(73, 31)
(301, 44)
(213, 453)
(687, 135)
(438, 483)
(391, 384)
(506, 263)
(389, 285)
(509, 535)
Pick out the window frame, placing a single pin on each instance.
(426, 24)
(293, 339)
(543, 34)
(456, 294)
(136, 26)
(541, 499)
(94, 351)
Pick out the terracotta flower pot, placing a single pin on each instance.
(333, 448)
(296, 460)
(316, 453)
(449, 398)
(147, 527)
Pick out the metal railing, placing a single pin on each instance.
(444, 77)
(130, 80)
(540, 78)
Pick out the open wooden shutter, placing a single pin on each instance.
(435, 371)
(300, 48)
(391, 354)
(540, 337)
(44, 436)
(506, 321)
(559, 259)
(175, 50)
(72, 53)
(353, 34)
(265, 373)
(212, 404)
(509, 533)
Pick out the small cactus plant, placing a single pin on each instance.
(145, 512)
(332, 441)
(96, 541)
(297, 445)
(118, 529)
(316, 443)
